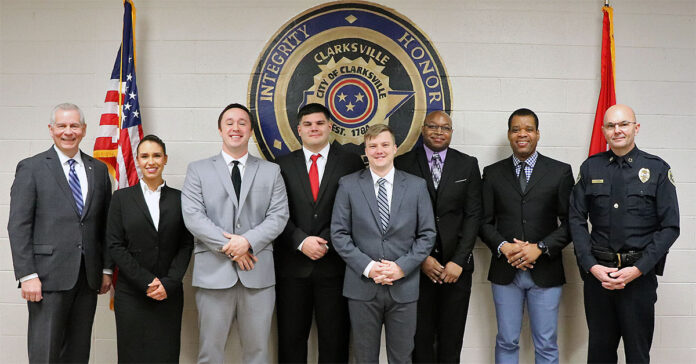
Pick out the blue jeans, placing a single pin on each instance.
(542, 306)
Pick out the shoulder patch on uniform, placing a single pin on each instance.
(670, 176)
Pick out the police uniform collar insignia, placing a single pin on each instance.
(644, 175)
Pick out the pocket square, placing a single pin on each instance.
(461, 180)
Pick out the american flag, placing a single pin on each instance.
(120, 126)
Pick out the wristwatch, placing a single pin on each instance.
(544, 248)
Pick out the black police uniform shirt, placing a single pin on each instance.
(642, 213)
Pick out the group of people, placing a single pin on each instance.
(317, 236)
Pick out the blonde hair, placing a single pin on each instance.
(378, 129)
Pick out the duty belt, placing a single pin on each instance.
(612, 259)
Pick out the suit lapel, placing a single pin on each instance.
(538, 173)
(302, 175)
(422, 160)
(89, 170)
(398, 191)
(164, 209)
(509, 174)
(368, 190)
(224, 174)
(139, 197)
(250, 169)
(331, 162)
(447, 169)
(53, 164)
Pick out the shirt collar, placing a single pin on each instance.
(228, 158)
(389, 176)
(531, 161)
(628, 158)
(64, 158)
(429, 154)
(308, 154)
(146, 189)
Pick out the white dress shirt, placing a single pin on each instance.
(152, 199)
(242, 163)
(321, 167)
(389, 186)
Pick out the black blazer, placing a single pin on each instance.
(531, 216)
(47, 235)
(456, 202)
(309, 218)
(140, 251)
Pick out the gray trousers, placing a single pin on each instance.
(366, 320)
(218, 308)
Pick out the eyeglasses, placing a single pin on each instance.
(443, 129)
(622, 125)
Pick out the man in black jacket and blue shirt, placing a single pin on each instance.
(631, 201)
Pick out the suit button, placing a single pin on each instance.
(524, 221)
(437, 219)
(82, 224)
(79, 246)
(239, 226)
(524, 201)
(315, 216)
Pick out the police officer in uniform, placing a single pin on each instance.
(631, 201)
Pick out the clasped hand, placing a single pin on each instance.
(521, 254)
(156, 291)
(237, 249)
(449, 273)
(385, 272)
(614, 278)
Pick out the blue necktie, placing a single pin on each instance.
(74, 183)
(383, 205)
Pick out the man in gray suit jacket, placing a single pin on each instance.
(383, 227)
(234, 204)
(58, 206)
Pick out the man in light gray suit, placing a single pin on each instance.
(58, 206)
(383, 227)
(234, 204)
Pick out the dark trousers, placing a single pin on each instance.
(60, 325)
(367, 319)
(296, 299)
(628, 313)
(442, 310)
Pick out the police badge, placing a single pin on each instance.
(366, 63)
(644, 175)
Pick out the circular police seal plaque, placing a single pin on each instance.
(366, 63)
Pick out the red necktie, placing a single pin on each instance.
(314, 176)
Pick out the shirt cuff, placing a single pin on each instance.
(499, 246)
(367, 270)
(31, 276)
(108, 271)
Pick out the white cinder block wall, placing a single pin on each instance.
(194, 57)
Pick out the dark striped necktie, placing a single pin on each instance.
(383, 204)
(75, 187)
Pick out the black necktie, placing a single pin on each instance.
(236, 178)
(523, 176)
(616, 233)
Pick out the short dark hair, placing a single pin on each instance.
(233, 106)
(152, 138)
(311, 109)
(524, 112)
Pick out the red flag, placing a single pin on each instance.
(607, 93)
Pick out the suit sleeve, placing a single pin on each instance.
(194, 212)
(342, 232)
(276, 216)
(425, 233)
(292, 234)
(488, 232)
(559, 238)
(668, 227)
(180, 263)
(118, 246)
(108, 260)
(577, 219)
(20, 226)
(472, 217)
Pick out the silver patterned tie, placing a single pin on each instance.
(436, 170)
(383, 204)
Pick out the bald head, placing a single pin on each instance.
(620, 129)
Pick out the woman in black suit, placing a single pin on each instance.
(152, 248)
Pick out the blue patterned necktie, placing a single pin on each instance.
(74, 183)
(383, 204)
(436, 170)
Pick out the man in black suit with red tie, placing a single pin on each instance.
(309, 271)
(454, 184)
